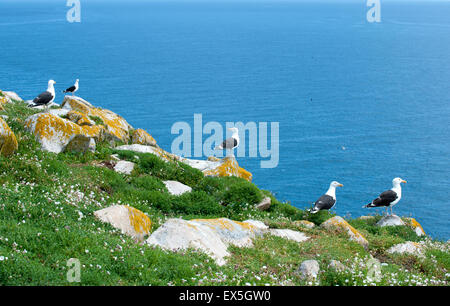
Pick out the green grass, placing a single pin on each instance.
(46, 218)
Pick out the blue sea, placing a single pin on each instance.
(356, 102)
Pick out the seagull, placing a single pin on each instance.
(328, 200)
(73, 88)
(390, 197)
(230, 143)
(47, 97)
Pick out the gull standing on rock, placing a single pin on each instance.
(73, 88)
(230, 143)
(328, 200)
(47, 97)
(390, 197)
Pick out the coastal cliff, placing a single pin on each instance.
(80, 182)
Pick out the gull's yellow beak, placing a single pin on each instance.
(340, 185)
(403, 181)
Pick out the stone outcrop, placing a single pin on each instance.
(8, 141)
(227, 166)
(415, 226)
(176, 188)
(390, 221)
(213, 236)
(264, 204)
(140, 136)
(116, 127)
(8, 97)
(309, 270)
(129, 220)
(55, 133)
(409, 247)
(124, 167)
(339, 224)
(289, 234)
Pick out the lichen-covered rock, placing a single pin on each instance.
(10, 96)
(80, 143)
(415, 226)
(340, 225)
(176, 188)
(129, 220)
(264, 204)
(79, 118)
(227, 166)
(124, 167)
(140, 136)
(304, 223)
(55, 133)
(211, 236)
(309, 270)
(8, 141)
(289, 234)
(409, 247)
(390, 221)
(116, 127)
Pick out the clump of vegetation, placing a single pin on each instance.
(97, 120)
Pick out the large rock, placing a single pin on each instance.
(390, 221)
(8, 141)
(264, 204)
(415, 226)
(116, 127)
(129, 220)
(55, 133)
(140, 136)
(124, 167)
(176, 188)
(80, 143)
(289, 234)
(227, 166)
(340, 225)
(309, 270)
(213, 236)
(8, 97)
(409, 247)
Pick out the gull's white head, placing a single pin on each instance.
(77, 81)
(51, 83)
(397, 181)
(336, 184)
(234, 130)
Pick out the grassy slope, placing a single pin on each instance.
(46, 217)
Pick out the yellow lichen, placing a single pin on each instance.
(140, 136)
(8, 141)
(115, 125)
(225, 224)
(414, 224)
(230, 167)
(139, 221)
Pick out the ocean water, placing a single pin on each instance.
(357, 102)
